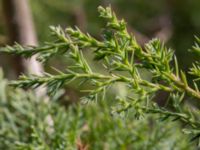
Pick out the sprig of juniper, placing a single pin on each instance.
(57, 47)
(31, 123)
(119, 53)
(195, 70)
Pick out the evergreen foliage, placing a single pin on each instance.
(123, 59)
(29, 123)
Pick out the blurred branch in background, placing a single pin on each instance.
(20, 29)
(80, 17)
(161, 27)
(3, 40)
(165, 29)
(141, 38)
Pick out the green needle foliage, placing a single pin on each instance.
(123, 59)
(29, 123)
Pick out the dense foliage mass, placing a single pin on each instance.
(31, 123)
(123, 60)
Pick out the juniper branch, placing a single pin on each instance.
(119, 52)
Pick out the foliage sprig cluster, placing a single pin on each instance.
(29, 123)
(123, 59)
